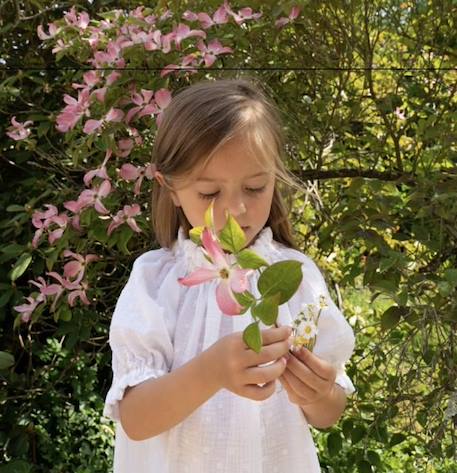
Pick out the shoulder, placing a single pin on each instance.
(309, 266)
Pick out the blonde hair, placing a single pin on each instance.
(197, 122)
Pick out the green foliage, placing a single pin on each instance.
(377, 151)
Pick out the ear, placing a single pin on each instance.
(158, 176)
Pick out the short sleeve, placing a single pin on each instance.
(140, 335)
(335, 341)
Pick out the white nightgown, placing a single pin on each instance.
(158, 325)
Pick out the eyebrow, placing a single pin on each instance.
(207, 179)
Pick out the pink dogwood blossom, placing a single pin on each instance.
(43, 220)
(19, 131)
(75, 269)
(294, 12)
(114, 115)
(129, 172)
(74, 110)
(230, 279)
(211, 51)
(126, 216)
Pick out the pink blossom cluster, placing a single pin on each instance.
(92, 111)
(71, 281)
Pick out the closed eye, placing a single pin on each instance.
(214, 194)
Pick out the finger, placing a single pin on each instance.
(305, 374)
(301, 390)
(290, 392)
(322, 368)
(273, 335)
(264, 374)
(259, 393)
(267, 353)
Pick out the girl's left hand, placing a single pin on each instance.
(307, 378)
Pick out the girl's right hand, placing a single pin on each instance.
(236, 366)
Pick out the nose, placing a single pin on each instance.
(236, 207)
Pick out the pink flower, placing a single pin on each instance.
(183, 31)
(77, 288)
(126, 215)
(79, 21)
(43, 220)
(114, 115)
(124, 147)
(211, 51)
(19, 131)
(53, 30)
(75, 269)
(99, 172)
(242, 15)
(129, 172)
(88, 198)
(294, 12)
(27, 309)
(74, 110)
(231, 279)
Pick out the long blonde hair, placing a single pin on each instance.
(200, 119)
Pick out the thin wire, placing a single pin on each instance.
(190, 68)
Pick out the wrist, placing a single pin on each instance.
(209, 371)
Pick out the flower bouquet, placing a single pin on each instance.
(277, 282)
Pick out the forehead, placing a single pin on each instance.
(238, 158)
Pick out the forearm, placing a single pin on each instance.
(326, 412)
(159, 404)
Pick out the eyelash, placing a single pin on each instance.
(213, 195)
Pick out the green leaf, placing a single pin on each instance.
(451, 275)
(64, 313)
(396, 439)
(15, 208)
(334, 443)
(283, 277)
(248, 259)
(5, 297)
(374, 458)
(391, 317)
(21, 265)
(267, 309)
(252, 337)
(6, 360)
(246, 299)
(364, 467)
(357, 434)
(232, 237)
(195, 234)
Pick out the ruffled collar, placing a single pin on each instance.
(264, 245)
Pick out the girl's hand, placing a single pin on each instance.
(307, 378)
(235, 366)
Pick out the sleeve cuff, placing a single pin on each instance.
(116, 392)
(343, 380)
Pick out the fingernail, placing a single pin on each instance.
(283, 359)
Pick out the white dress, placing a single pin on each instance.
(158, 325)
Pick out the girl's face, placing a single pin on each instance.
(237, 182)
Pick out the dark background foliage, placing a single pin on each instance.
(371, 125)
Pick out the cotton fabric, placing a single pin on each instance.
(159, 325)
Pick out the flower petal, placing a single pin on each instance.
(239, 279)
(214, 250)
(198, 276)
(225, 300)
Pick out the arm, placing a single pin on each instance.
(158, 404)
(326, 412)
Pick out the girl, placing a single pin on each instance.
(188, 395)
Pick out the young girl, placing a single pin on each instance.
(188, 395)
